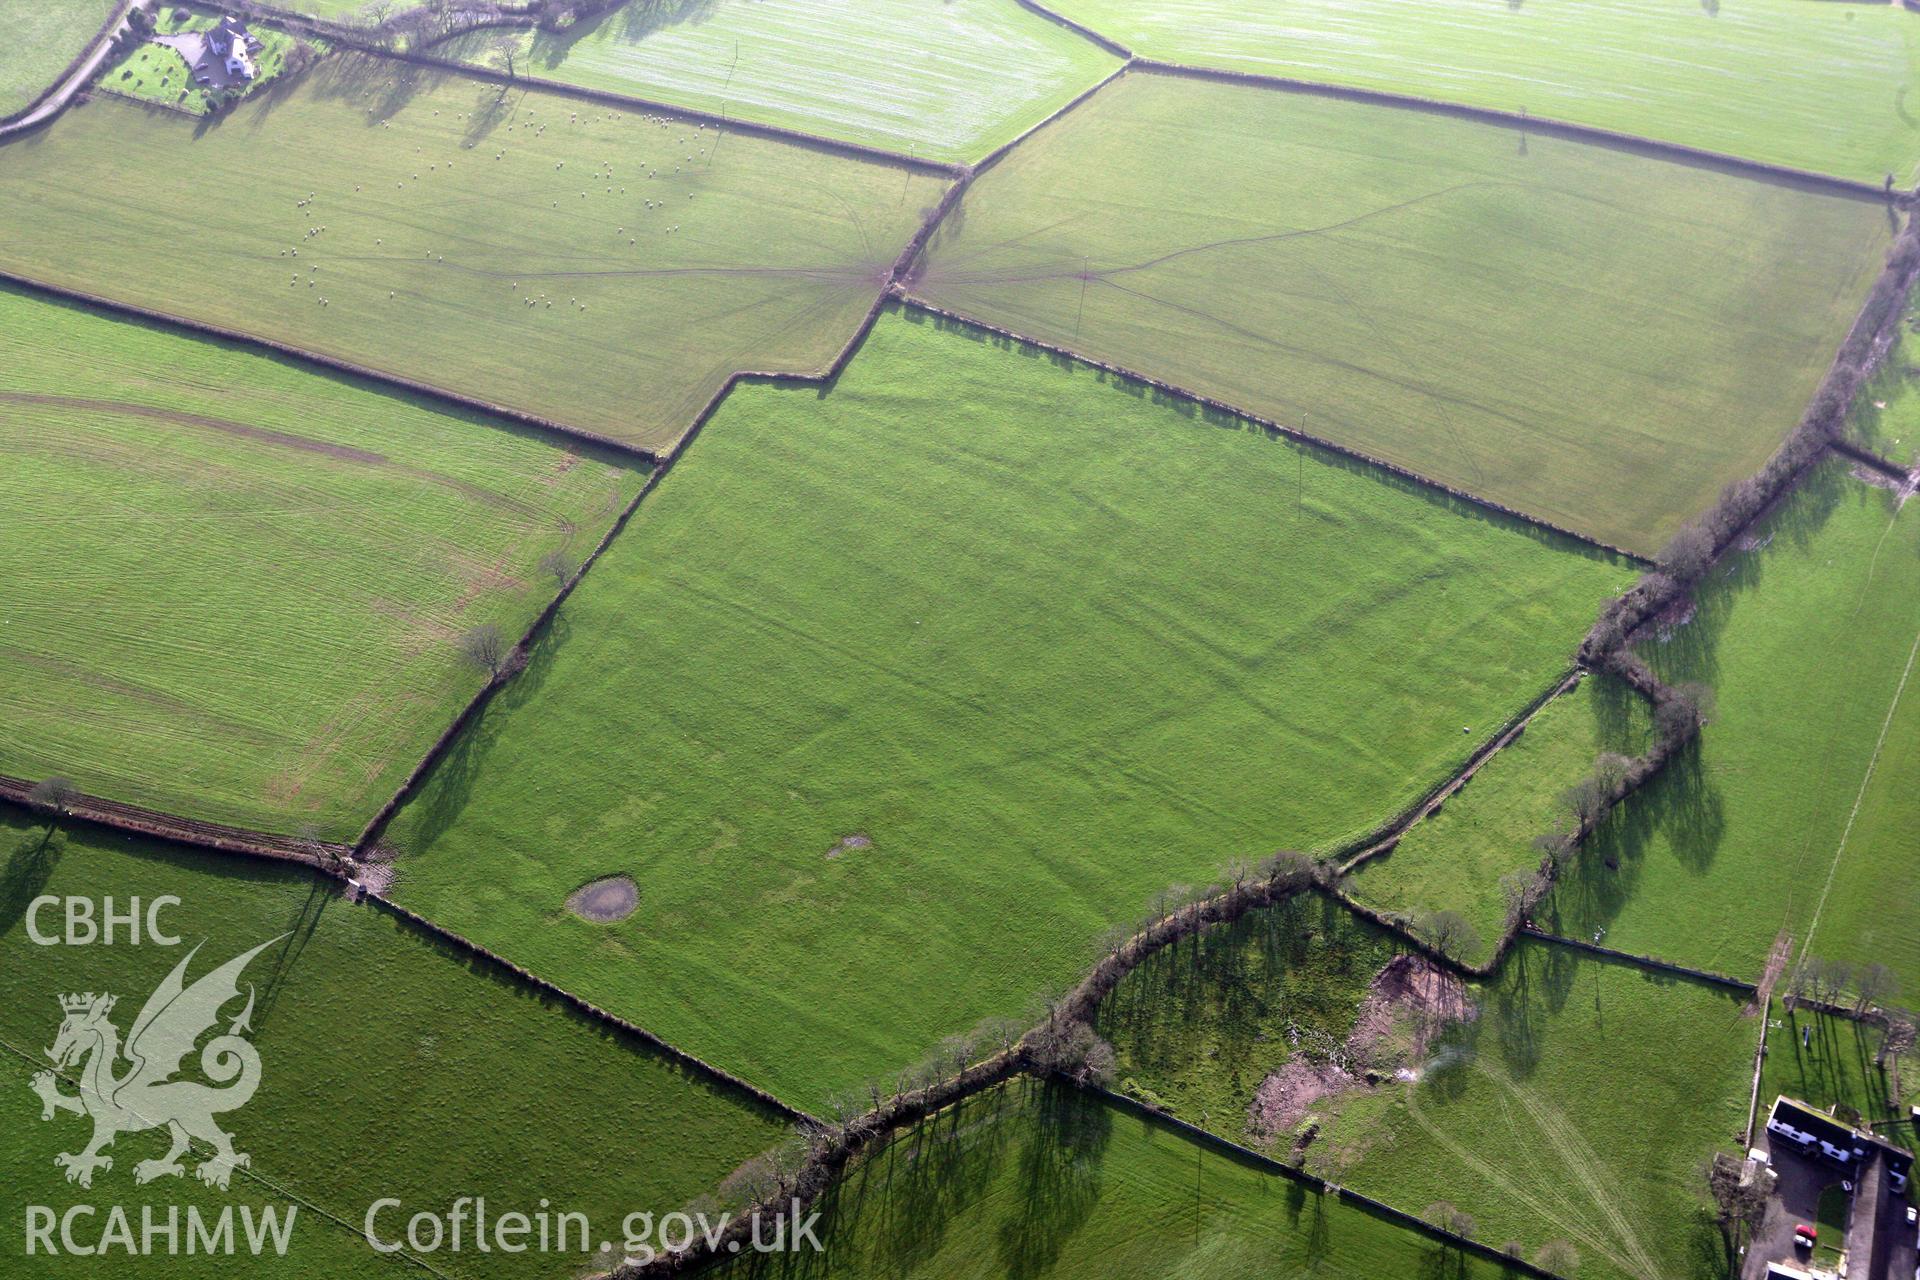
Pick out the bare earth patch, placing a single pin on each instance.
(1284, 1097)
(605, 901)
(1413, 997)
(1408, 1004)
(850, 842)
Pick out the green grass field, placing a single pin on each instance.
(1039, 1181)
(1822, 87)
(1454, 859)
(238, 586)
(1197, 1027)
(1583, 333)
(1535, 1117)
(42, 37)
(949, 81)
(1806, 643)
(1048, 645)
(390, 1067)
(1531, 1117)
(497, 246)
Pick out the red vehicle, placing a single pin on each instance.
(1805, 1236)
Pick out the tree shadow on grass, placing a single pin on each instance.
(35, 854)
(380, 87)
(447, 787)
(630, 23)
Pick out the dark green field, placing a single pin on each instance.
(1039, 1181)
(391, 1066)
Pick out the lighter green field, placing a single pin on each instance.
(1531, 1117)
(1806, 644)
(1048, 645)
(1822, 87)
(1454, 859)
(496, 246)
(1035, 1181)
(390, 1068)
(1586, 334)
(947, 81)
(42, 37)
(237, 586)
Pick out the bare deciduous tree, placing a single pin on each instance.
(1449, 932)
(53, 794)
(1557, 1256)
(485, 647)
(1449, 1217)
(1872, 985)
(555, 564)
(1739, 1197)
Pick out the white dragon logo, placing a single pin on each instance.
(146, 1096)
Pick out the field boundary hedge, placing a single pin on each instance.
(365, 40)
(661, 464)
(455, 399)
(1383, 838)
(1000, 152)
(1273, 427)
(666, 1048)
(1821, 430)
(1360, 1200)
(1586, 133)
(138, 820)
(1644, 962)
(1868, 458)
(607, 97)
(329, 859)
(1080, 29)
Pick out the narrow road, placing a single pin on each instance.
(56, 102)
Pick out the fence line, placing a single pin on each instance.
(136, 820)
(1274, 427)
(1678, 152)
(587, 1007)
(457, 400)
(1360, 1200)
